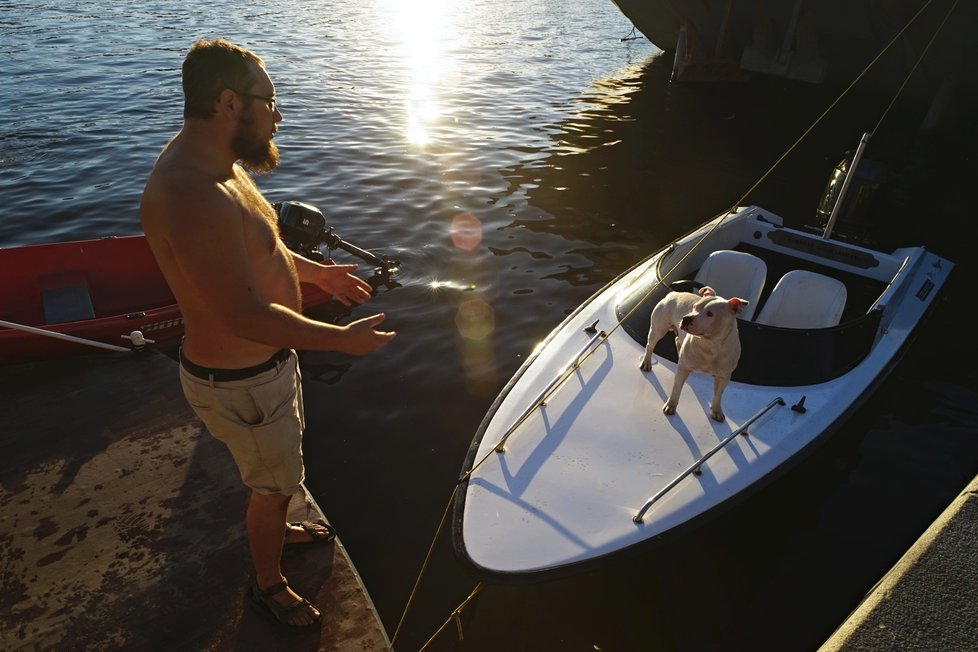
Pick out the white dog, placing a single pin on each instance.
(706, 338)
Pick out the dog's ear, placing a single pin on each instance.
(707, 291)
(737, 305)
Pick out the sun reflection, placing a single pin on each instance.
(420, 29)
(436, 285)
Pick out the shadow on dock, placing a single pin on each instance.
(122, 522)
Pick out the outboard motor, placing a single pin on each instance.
(854, 220)
(302, 228)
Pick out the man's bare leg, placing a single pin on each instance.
(265, 524)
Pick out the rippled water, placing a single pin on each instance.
(515, 156)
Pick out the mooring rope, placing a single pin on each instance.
(456, 616)
(424, 567)
(718, 218)
(906, 79)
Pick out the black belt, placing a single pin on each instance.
(225, 375)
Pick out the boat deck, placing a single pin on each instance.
(121, 522)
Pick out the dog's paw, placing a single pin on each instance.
(668, 409)
(646, 364)
(718, 416)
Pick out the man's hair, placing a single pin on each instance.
(209, 68)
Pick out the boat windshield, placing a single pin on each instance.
(770, 355)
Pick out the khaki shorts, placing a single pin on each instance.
(260, 419)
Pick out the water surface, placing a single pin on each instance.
(516, 156)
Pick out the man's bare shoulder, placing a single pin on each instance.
(179, 194)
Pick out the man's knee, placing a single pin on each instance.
(269, 500)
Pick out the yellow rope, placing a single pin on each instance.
(424, 566)
(454, 616)
(722, 216)
(919, 59)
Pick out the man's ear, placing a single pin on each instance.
(228, 102)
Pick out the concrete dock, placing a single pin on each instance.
(928, 602)
(122, 523)
(121, 528)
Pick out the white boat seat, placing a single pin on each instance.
(735, 274)
(804, 299)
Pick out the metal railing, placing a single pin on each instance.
(694, 467)
(560, 377)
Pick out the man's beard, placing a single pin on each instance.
(256, 154)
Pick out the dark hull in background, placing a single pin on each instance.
(830, 41)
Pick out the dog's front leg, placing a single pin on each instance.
(649, 346)
(716, 410)
(680, 338)
(677, 387)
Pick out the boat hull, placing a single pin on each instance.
(577, 470)
(100, 290)
(826, 42)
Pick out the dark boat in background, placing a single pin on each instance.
(831, 41)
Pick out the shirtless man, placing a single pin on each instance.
(216, 240)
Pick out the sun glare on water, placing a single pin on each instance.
(423, 47)
(422, 32)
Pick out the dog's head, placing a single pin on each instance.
(712, 315)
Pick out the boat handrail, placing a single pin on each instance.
(694, 467)
(559, 377)
(897, 284)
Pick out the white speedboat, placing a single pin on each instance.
(576, 460)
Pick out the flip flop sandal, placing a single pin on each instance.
(319, 536)
(265, 604)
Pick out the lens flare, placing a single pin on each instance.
(466, 231)
(475, 320)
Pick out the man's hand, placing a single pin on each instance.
(361, 338)
(338, 280)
